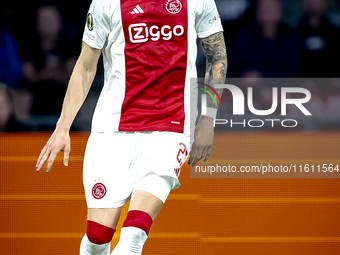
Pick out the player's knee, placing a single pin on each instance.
(138, 219)
(99, 234)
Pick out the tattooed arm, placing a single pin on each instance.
(216, 70)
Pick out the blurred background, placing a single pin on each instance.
(40, 42)
(46, 213)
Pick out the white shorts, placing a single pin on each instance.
(117, 164)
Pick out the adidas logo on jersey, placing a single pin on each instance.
(137, 10)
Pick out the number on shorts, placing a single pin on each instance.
(181, 152)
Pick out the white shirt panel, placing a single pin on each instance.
(107, 34)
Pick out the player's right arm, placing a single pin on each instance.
(78, 88)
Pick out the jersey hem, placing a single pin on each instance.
(209, 33)
(90, 43)
(176, 130)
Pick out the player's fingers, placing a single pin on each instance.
(192, 153)
(43, 159)
(208, 154)
(197, 156)
(51, 161)
(41, 155)
(66, 155)
(204, 152)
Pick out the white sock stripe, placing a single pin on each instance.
(139, 9)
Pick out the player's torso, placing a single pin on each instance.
(148, 53)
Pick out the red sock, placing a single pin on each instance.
(99, 234)
(138, 219)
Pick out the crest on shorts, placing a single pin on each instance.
(98, 190)
(173, 6)
(89, 21)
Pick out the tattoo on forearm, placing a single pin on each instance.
(216, 57)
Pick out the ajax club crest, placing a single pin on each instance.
(98, 190)
(173, 6)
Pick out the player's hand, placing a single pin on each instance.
(59, 141)
(204, 135)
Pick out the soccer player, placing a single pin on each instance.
(141, 127)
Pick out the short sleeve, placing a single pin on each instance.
(208, 20)
(97, 27)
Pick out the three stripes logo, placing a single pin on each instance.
(137, 10)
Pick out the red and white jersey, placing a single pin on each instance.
(149, 51)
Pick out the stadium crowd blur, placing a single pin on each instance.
(40, 42)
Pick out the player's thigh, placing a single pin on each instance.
(146, 202)
(150, 193)
(108, 216)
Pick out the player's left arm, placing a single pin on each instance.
(216, 69)
(215, 52)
